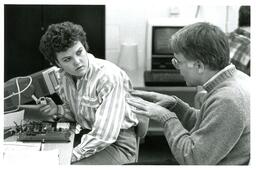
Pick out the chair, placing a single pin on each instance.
(141, 131)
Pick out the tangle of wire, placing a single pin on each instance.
(18, 93)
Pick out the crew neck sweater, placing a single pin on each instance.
(219, 132)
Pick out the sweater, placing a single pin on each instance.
(219, 132)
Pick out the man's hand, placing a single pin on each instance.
(160, 99)
(148, 109)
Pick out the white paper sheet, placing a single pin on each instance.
(18, 153)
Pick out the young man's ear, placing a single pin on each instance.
(200, 67)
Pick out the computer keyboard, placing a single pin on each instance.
(163, 78)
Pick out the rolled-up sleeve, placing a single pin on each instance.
(64, 112)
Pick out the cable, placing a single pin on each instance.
(18, 93)
(226, 18)
(17, 84)
(197, 10)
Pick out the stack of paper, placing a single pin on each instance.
(28, 153)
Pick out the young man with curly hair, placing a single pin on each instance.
(94, 94)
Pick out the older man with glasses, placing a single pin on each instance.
(219, 132)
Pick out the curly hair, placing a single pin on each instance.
(202, 41)
(60, 37)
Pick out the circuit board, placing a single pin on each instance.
(45, 131)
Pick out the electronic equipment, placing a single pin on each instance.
(8, 132)
(20, 90)
(44, 131)
(163, 78)
(158, 53)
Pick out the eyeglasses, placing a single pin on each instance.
(176, 63)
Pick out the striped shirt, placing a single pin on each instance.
(97, 102)
(239, 41)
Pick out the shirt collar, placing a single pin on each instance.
(219, 77)
(243, 32)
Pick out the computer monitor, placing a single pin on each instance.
(161, 52)
(159, 32)
(160, 41)
(19, 90)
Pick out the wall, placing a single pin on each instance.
(126, 22)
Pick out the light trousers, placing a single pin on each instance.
(123, 151)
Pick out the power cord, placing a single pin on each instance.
(18, 92)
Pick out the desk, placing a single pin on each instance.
(65, 148)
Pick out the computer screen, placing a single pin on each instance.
(160, 40)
